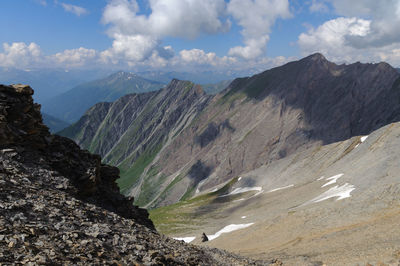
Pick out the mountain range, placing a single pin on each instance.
(54, 123)
(71, 105)
(49, 82)
(178, 142)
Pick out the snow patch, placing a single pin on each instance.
(332, 179)
(215, 189)
(280, 188)
(243, 217)
(341, 192)
(239, 178)
(362, 139)
(186, 239)
(322, 177)
(229, 228)
(242, 190)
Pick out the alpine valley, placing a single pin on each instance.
(303, 158)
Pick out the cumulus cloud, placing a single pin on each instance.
(330, 37)
(20, 55)
(137, 37)
(318, 6)
(384, 16)
(367, 31)
(74, 57)
(77, 10)
(256, 17)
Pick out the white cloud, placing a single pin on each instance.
(20, 55)
(368, 32)
(131, 47)
(330, 37)
(75, 57)
(384, 16)
(318, 6)
(77, 10)
(138, 37)
(256, 17)
(198, 56)
(174, 18)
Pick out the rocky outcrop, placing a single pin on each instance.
(60, 205)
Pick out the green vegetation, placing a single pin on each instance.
(186, 214)
(150, 186)
(130, 174)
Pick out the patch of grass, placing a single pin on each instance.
(181, 216)
(149, 189)
(130, 174)
(189, 193)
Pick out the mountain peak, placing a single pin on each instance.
(315, 57)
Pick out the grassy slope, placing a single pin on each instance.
(184, 215)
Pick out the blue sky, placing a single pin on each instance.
(195, 35)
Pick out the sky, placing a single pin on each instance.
(195, 35)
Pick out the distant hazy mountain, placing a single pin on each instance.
(206, 77)
(215, 88)
(48, 83)
(71, 105)
(53, 123)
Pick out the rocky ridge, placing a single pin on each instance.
(59, 204)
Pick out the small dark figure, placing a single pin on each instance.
(204, 238)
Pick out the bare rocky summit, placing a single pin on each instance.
(60, 205)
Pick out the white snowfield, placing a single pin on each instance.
(186, 239)
(332, 179)
(242, 190)
(341, 192)
(227, 229)
(362, 139)
(280, 188)
(243, 217)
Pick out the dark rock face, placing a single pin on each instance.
(20, 119)
(60, 205)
